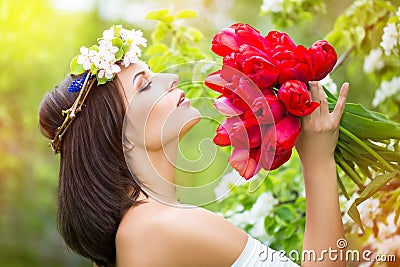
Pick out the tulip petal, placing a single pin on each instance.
(225, 107)
(215, 82)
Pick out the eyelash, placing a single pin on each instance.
(145, 86)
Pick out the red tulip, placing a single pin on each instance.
(261, 71)
(277, 160)
(222, 137)
(237, 132)
(241, 92)
(223, 131)
(225, 42)
(280, 139)
(265, 110)
(323, 58)
(245, 137)
(245, 34)
(277, 39)
(246, 162)
(294, 65)
(295, 96)
(229, 39)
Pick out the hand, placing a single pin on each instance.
(318, 138)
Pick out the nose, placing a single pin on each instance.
(173, 81)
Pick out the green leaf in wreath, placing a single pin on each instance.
(102, 80)
(75, 67)
(119, 54)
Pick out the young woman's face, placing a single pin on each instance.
(157, 111)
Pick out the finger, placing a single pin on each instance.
(324, 107)
(314, 91)
(339, 107)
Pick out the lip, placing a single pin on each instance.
(181, 98)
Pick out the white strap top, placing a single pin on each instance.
(256, 254)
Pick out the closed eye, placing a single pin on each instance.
(144, 86)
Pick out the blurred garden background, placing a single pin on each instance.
(39, 38)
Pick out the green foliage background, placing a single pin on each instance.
(37, 43)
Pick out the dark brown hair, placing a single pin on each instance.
(94, 179)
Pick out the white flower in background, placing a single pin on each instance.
(373, 61)
(386, 242)
(262, 207)
(390, 246)
(224, 187)
(398, 12)
(386, 89)
(365, 264)
(240, 219)
(329, 84)
(369, 209)
(272, 5)
(386, 231)
(255, 216)
(390, 38)
(258, 230)
(390, 146)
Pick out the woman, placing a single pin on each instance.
(117, 204)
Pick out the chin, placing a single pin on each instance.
(189, 125)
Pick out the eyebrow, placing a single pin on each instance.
(137, 74)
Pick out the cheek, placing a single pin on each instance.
(157, 126)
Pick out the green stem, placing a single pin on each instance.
(359, 156)
(366, 147)
(342, 188)
(353, 175)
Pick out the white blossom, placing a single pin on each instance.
(130, 58)
(272, 5)
(398, 12)
(369, 209)
(240, 219)
(391, 145)
(263, 206)
(224, 187)
(85, 58)
(387, 230)
(258, 230)
(256, 215)
(133, 36)
(373, 61)
(102, 57)
(329, 84)
(389, 246)
(390, 38)
(108, 34)
(386, 89)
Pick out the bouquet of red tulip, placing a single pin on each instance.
(263, 86)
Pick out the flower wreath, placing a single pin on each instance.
(100, 61)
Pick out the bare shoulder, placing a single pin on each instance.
(171, 236)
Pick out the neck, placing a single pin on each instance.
(156, 169)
